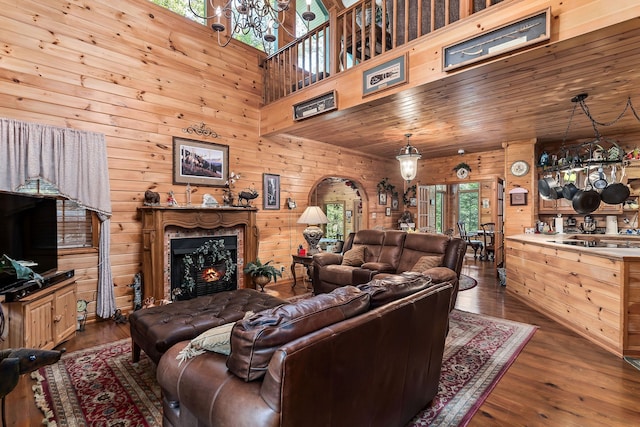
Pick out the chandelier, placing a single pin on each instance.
(260, 17)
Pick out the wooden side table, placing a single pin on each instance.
(300, 259)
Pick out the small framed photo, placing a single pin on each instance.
(348, 214)
(382, 199)
(413, 202)
(200, 163)
(395, 203)
(518, 199)
(485, 203)
(270, 191)
(387, 212)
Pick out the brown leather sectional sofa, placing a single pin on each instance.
(330, 360)
(390, 253)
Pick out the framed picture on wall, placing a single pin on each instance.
(387, 212)
(518, 199)
(382, 199)
(200, 163)
(395, 203)
(413, 201)
(347, 215)
(270, 191)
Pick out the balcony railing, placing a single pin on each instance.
(355, 35)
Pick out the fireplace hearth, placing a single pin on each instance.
(203, 266)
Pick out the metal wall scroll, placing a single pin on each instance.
(201, 130)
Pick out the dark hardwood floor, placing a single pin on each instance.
(559, 379)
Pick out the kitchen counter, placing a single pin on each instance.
(592, 290)
(619, 246)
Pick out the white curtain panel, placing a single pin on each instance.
(76, 163)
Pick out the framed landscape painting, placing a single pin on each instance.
(200, 163)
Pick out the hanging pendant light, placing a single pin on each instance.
(408, 158)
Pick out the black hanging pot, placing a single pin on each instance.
(569, 190)
(587, 200)
(615, 193)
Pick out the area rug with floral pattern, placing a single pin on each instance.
(100, 386)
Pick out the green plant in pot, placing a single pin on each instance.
(261, 274)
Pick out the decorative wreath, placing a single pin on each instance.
(212, 251)
(408, 195)
(462, 165)
(385, 186)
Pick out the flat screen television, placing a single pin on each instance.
(28, 232)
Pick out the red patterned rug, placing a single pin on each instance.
(100, 386)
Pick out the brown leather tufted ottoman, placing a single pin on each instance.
(156, 329)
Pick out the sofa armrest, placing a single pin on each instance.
(441, 274)
(360, 276)
(327, 258)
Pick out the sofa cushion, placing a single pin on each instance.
(426, 262)
(254, 340)
(393, 287)
(217, 340)
(441, 274)
(354, 257)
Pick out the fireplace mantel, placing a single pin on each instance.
(155, 219)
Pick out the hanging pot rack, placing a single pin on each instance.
(598, 152)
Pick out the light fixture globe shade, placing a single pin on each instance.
(312, 216)
(408, 162)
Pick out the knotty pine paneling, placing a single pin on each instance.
(140, 74)
(595, 296)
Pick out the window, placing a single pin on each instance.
(201, 7)
(181, 7)
(335, 215)
(77, 226)
(469, 205)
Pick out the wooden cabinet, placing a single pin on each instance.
(45, 318)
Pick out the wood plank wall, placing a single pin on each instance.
(140, 74)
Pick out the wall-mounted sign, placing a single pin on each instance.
(529, 30)
(384, 76)
(317, 105)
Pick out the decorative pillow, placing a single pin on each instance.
(354, 257)
(215, 339)
(426, 262)
(394, 287)
(254, 340)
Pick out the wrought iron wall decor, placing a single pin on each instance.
(201, 130)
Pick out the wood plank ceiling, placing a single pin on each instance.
(515, 98)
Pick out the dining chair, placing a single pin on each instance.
(471, 239)
(488, 236)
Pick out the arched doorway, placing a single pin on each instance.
(344, 202)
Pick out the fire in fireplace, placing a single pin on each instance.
(203, 266)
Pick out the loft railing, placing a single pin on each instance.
(355, 35)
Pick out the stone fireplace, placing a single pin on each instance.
(161, 225)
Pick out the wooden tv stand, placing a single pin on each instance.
(42, 319)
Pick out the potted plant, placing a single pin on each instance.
(261, 274)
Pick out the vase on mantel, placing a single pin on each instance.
(227, 198)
